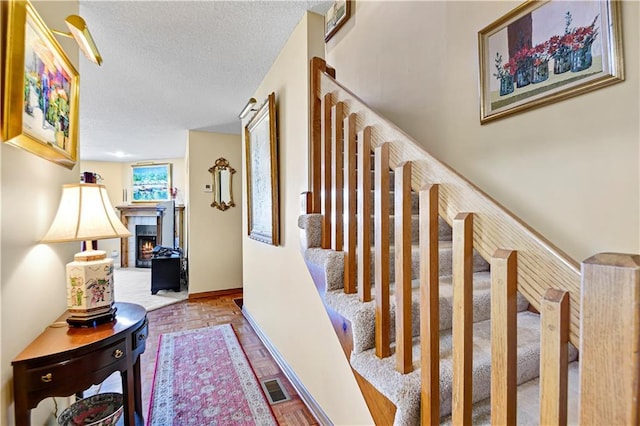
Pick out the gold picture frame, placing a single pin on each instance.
(335, 18)
(40, 88)
(547, 51)
(262, 174)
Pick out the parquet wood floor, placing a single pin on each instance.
(210, 311)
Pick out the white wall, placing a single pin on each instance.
(32, 284)
(571, 170)
(215, 243)
(278, 290)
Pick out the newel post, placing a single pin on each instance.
(609, 342)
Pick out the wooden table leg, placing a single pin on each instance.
(138, 388)
(129, 399)
(21, 406)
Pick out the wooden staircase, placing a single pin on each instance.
(433, 285)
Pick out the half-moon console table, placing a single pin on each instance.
(65, 360)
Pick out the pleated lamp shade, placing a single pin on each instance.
(84, 214)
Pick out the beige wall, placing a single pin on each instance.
(570, 170)
(215, 243)
(116, 177)
(278, 290)
(32, 286)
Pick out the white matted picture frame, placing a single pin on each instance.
(262, 174)
(547, 51)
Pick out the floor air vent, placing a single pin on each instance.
(275, 391)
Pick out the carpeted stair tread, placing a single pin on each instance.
(415, 202)
(445, 249)
(311, 225)
(481, 303)
(404, 390)
(528, 406)
(362, 315)
(444, 230)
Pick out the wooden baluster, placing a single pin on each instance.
(610, 340)
(337, 192)
(318, 66)
(350, 224)
(429, 306)
(402, 236)
(381, 215)
(554, 356)
(462, 328)
(504, 367)
(326, 171)
(364, 214)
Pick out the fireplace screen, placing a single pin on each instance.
(145, 242)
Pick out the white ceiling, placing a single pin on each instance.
(173, 66)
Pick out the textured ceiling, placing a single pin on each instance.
(174, 66)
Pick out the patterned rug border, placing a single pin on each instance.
(242, 366)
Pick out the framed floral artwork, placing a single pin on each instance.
(547, 51)
(262, 174)
(40, 88)
(150, 183)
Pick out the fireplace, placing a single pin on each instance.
(145, 242)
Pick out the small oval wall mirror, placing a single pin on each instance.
(222, 174)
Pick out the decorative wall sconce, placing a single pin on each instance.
(80, 32)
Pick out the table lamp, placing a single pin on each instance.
(85, 214)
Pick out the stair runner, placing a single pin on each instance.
(404, 389)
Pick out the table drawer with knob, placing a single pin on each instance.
(68, 370)
(140, 336)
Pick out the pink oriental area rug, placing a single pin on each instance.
(204, 378)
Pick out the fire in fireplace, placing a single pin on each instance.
(145, 242)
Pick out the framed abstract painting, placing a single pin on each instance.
(150, 183)
(40, 88)
(546, 51)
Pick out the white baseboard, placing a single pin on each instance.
(306, 397)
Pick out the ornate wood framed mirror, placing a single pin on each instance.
(222, 175)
